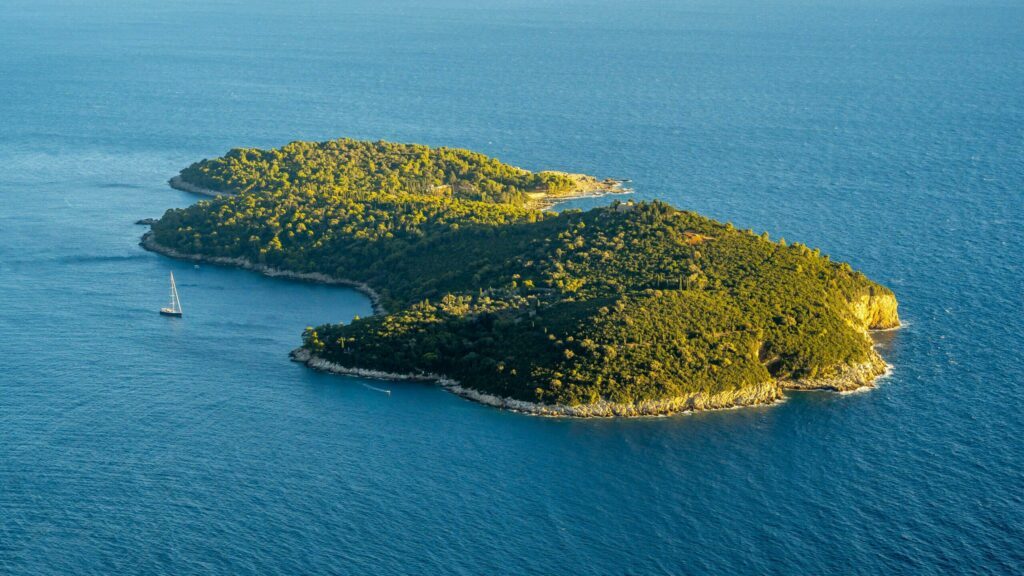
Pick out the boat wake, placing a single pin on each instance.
(382, 390)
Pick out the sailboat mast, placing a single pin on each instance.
(175, 307)
(175, 301)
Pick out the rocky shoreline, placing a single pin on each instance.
(586, 187)
(765, 394)
(179, 183)
(150, 244)
(551, 201)
(847, 379)
(851, 378)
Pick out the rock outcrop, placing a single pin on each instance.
(845, 378)
(876, 311)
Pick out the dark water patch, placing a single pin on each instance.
(122, 186)
(101, 258)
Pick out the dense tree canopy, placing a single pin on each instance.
(384, 167)
(623, 303)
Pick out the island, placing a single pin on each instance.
(631, 309)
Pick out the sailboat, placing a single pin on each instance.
(175, 308)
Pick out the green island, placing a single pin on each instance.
(626, 310)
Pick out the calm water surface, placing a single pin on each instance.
(890, 135)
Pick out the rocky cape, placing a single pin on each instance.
(179, 183)
(584, 186)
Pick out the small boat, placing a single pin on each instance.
(175, 308)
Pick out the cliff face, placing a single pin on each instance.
(876, 310)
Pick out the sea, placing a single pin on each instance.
(889, 134)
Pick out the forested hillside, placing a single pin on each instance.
(385, 167)
(623, 304)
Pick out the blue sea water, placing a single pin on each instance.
(889, 134)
